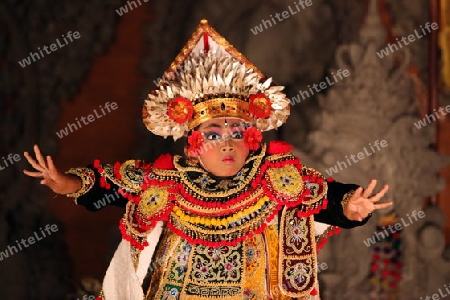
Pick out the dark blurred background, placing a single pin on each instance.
(120, 54)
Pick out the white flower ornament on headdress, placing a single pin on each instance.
(213, 80)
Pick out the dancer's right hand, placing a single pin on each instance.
(59, 182)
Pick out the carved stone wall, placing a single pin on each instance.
(378, 102)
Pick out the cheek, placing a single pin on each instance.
(211, 154)
(242, 151)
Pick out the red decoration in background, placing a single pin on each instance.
(386, 267)
(252, 138)
(180, 110)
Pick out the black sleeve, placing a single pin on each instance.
(99, 197)
(334, 214)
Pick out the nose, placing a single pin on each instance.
(227, 145)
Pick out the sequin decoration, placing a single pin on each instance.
(153, 200)
(286, 181)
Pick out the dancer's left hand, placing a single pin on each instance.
(361, 203)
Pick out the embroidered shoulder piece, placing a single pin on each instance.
(291, 184)
(317, 187)
(153, 203)
(128, 176)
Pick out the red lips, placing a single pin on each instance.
(228, 159)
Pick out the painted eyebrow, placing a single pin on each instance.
(213, 125)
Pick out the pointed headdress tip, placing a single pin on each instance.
(209, 79)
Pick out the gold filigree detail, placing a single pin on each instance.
(87, 177)
(297, 270)
(186, 181)
(286, 181)
(217, 108)
(213, 211)
(321, 189)
(346, 199)
(220, 40)
(131, 176)
(254, 281)
(225, 220)
(153, 200)
(216, 233)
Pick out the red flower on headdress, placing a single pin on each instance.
(252, 138)
(195, 141)
(260, 106)
(180, 110)
(278, 147)
(165, 162)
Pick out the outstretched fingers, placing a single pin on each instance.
(367, 192)
(39, 156)
(383, 205)
(33, 174)
(357, 193)
(380, 194)
(51, 167)
(32, 162)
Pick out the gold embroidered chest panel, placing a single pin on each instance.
(218, 242)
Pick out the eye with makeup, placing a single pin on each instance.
(212, 135)
(237, 134)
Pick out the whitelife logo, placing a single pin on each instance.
(53, 47)
(90, 118)
(11, 158)
(437, 296)
(356, 158)
(378, 236)
(107, 199)
(431, 118)
(320, 87)
(31, 240)
(390, 48)
(124, 9)
(281, 16)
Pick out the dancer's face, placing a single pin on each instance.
(224, 152)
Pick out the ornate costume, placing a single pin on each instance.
(188, 234)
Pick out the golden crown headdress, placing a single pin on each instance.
(211, 79)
